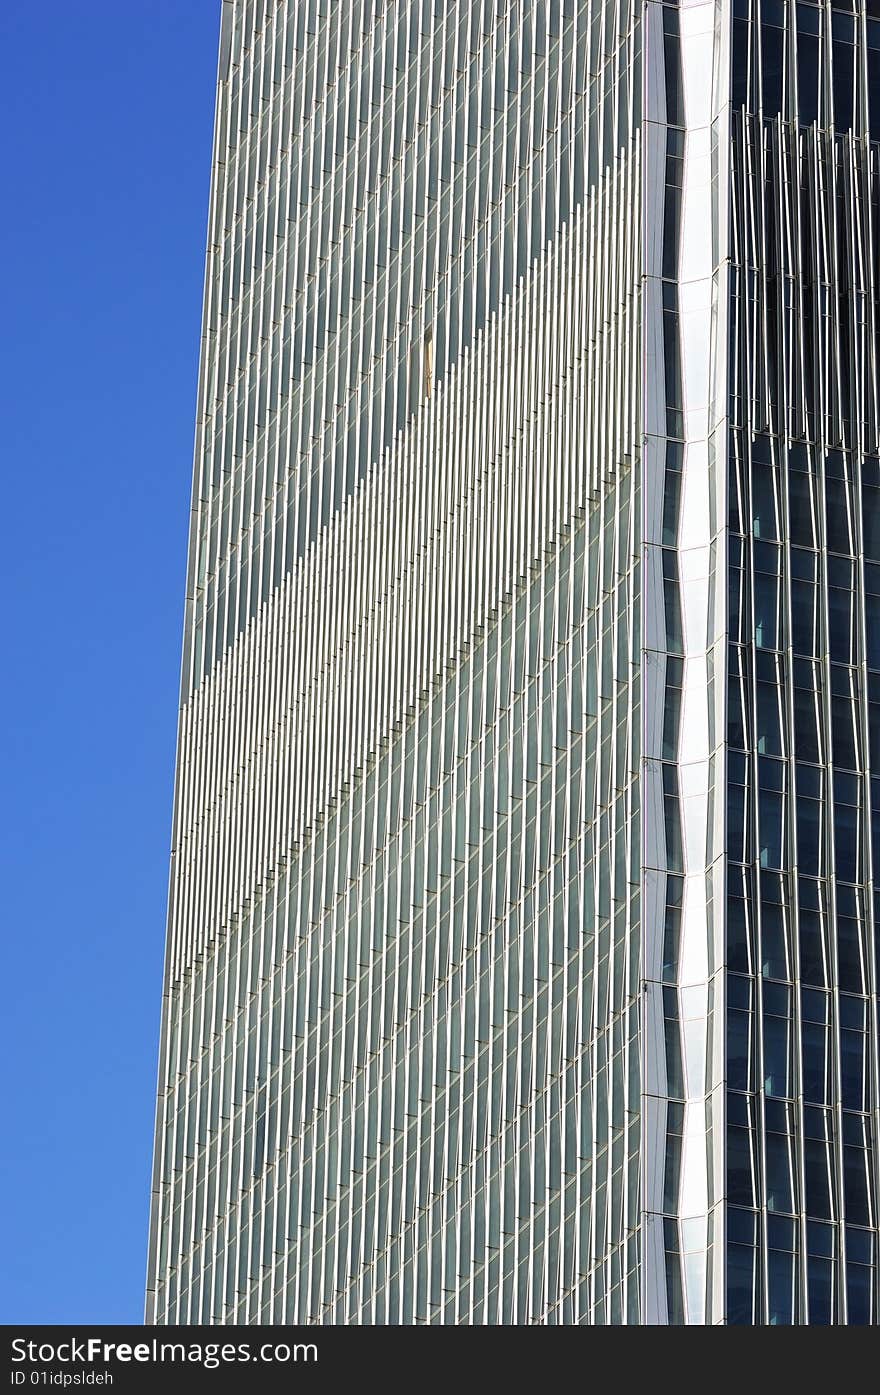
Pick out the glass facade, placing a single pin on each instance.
(802, 1106)
(520, 960)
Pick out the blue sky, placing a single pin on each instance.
(107, 111)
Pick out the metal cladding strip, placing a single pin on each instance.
(684, 696)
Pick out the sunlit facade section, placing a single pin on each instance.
(401, 1061)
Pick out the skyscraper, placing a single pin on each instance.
(521, 948)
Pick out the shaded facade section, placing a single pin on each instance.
(803, 668)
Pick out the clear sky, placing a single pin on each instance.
(106, 112)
